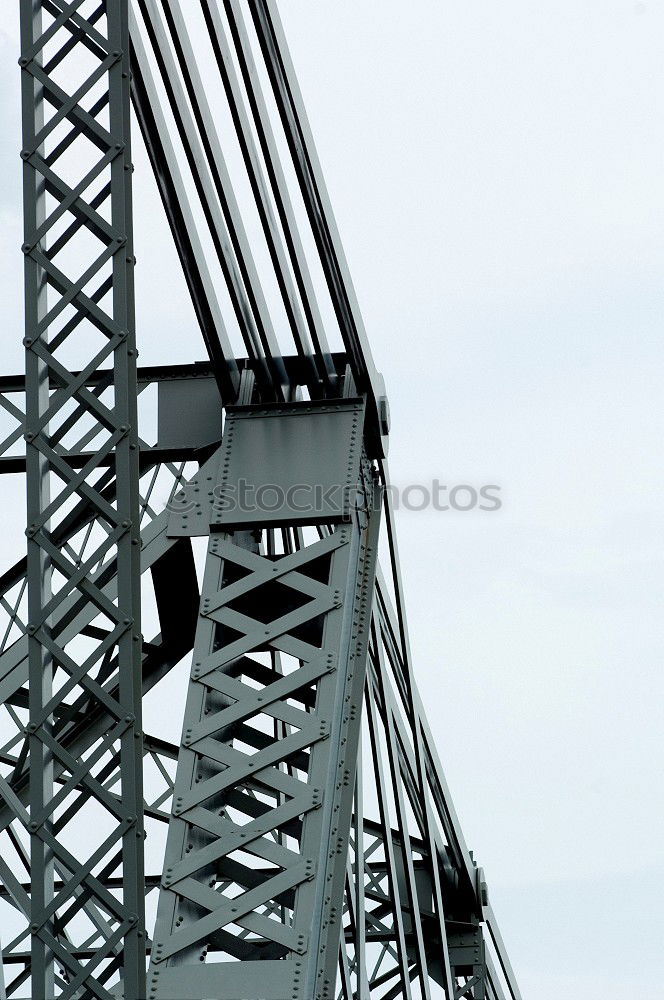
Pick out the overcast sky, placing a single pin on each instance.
(497, 176)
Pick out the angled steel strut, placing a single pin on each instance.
(246, 803)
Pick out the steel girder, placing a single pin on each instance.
(254, 867)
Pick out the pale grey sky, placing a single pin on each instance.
(496, 172)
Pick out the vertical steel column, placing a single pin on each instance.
(78, 69)
(40, 675)
(252, 894)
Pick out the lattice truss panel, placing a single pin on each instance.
(81, 727)
(269, 747)
(83, 627)
(250, 729)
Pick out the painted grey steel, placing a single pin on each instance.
(312, 848)
(99, 328)
(278, 671)
(289, 252)
(187, 241)
(84, 726)
(296, 463)
(321, 218)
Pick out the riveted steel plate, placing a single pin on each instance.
(191, 507)
(295, 463)
(228, 981)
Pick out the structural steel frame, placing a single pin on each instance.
(105, 671)
(309, 846)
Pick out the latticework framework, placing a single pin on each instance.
(280, 827)
(79, 313)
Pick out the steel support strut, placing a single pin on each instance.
(251, 902)
(80, 304)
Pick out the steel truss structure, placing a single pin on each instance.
(296, 840)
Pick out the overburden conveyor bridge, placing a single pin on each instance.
(295, 839)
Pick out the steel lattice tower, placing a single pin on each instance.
(298, 841)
